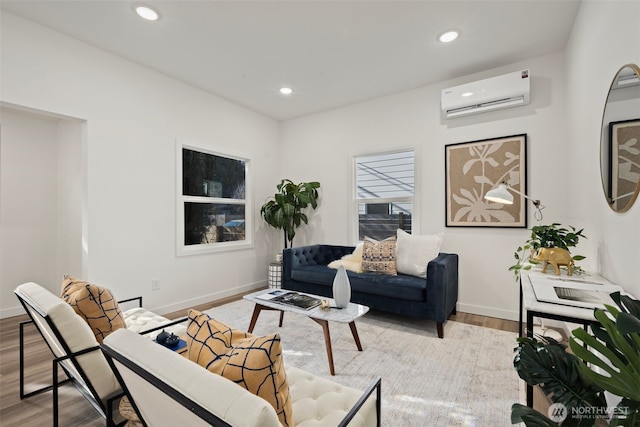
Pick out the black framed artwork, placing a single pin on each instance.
(475, 167)
(624, 162)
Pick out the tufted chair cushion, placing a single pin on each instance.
(140, 319)
(320, 402)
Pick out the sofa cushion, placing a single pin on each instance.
(400, 286)
(413, 253)
(256, 363)
(379, 256)
(95, 304)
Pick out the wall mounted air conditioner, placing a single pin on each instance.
(505, 91)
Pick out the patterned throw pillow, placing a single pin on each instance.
(253, 362)
(95, 304)
(379, 256)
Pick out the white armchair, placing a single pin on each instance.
(76, 350)
(168, 389)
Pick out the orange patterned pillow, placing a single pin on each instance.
(95, 304)
(253, 362)
(379, 256)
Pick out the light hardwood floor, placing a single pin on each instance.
(74, 409)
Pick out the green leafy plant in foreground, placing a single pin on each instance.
(546, 236)
(607, 359)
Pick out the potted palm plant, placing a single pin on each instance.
(286, 209)
(607, 359)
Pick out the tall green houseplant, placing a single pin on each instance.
(285, 210)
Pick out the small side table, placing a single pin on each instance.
(274, 278)
(531, 307)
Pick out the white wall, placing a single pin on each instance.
(133, 116)
(28, 200)
(605, 37)
(562, 123)
(41, 186)
(321, 146)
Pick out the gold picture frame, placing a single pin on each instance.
(472, 169)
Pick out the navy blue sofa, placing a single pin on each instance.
(304, 269)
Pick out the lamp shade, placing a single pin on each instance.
(500, 195)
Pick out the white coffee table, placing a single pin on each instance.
(317, 314)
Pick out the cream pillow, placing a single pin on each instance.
(352, 261)
(413, 253)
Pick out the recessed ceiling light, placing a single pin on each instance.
(286, 90)
(147, 13)
(448, 36)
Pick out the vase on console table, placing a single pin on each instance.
(341, 288)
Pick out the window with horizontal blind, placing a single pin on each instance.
(385, 186)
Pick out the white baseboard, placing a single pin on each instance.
(12, 312)
(169, 308)
(185, 304)
(488, 311)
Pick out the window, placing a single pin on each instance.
(384, 193)
(213, 201)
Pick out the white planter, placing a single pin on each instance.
(341, 288)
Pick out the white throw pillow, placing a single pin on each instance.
(413, 253)
(352, 261)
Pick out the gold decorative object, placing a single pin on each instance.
(325, 304)
(556, 257)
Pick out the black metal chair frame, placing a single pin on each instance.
(203, 413)
(105, 411)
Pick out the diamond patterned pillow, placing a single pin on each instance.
(253, 362)
(95, 304)
(379, 256)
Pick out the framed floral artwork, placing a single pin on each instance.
(624, 158)
(472, 169)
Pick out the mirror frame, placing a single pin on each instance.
(605, 149)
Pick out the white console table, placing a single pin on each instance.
(531, 307)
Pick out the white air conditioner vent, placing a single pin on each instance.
(507, 90)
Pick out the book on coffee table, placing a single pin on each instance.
(295, 299)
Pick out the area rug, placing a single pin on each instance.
(465, 379)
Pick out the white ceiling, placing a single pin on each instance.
(332, 53)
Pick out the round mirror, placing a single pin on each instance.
(620, 140)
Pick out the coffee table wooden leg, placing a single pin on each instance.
(254, 318)
(327, 342)
(354, 332)
(256, 312)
